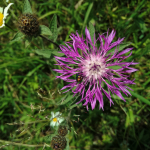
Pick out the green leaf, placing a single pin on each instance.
(30, 73)
(28, 41)
(92, 31)
(87, 15)
(1, 112)
(56, 53)
(146, 82)
(120, 47)
(45, 30)
(27, 7)
(131, 115)
(18, 36)
(141, 135)
(50, 13)
(114, 67)
(127, 123)
(67, 146)
(66, 99)
(46, 52)
(75, 105)
(146, 101)
(53, 28)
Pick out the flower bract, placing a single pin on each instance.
(56, 119)
(100, 63)
(4, 14)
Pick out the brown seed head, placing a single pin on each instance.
(28, 24)
(58, 142)
(62, 130)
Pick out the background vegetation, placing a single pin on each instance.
(22, 72)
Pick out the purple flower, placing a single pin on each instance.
(96, 66)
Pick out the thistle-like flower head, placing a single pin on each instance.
(96, 65)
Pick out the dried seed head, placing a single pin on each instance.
(58, 142)
(62, 130)
(29, 24)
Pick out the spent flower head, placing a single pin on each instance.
(28, 24)
(95, 68)
(4, 14)
(56, 119)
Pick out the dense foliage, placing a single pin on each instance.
(29, 90)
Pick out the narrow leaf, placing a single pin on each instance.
(29, 74)
(131, 115)
(75, 105)
(27, 7)
(87, 15)
(67, 99)
(92, 31)
(127, 123)
(146, 101)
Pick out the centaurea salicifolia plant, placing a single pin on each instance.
(95, 65)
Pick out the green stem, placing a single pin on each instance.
(9, 27)
(49, 40)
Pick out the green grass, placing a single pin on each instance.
(23, 72)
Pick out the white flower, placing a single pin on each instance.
(56, 119)
(3, 15)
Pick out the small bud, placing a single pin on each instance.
(58, 142)
(62, 130)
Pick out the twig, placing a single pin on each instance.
(21, 144)
(9, 27)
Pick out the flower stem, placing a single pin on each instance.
(49, 40)
(9, 27)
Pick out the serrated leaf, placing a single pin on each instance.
(44, 30)
(92, 31)
(53, 28)
(46, 52)
(18, 36)
(27, 7)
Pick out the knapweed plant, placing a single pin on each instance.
(97, 65)
(69, 77)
